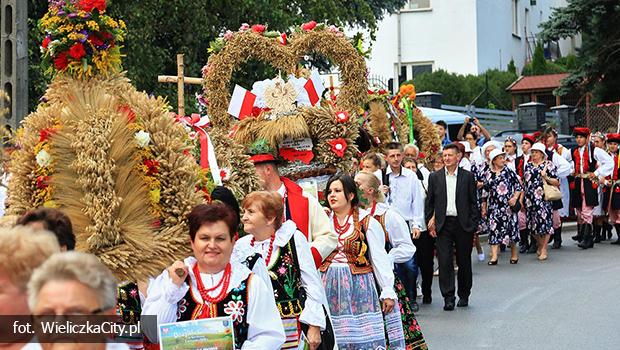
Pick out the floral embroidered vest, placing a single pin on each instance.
(286, 281)
(355, 248)
(235, 305)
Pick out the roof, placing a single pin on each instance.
(537, 82)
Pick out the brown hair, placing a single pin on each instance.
(269, 203)
(205, 214)
(376, 160)
(53, 220)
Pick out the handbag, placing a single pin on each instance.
(551, 193)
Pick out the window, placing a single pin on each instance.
(515, 17)
(417, 5)
(410, 70)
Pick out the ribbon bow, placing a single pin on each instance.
(207, 153)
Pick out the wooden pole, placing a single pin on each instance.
(180, 85)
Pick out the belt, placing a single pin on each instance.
(584, 175)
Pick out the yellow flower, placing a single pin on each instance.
(155, 195)
(50, 204)
(92, 25)
(122, 24)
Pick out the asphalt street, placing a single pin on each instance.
(570, 301)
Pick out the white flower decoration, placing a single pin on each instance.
(43, 158)
(142, 138)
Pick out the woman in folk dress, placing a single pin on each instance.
(352, 271)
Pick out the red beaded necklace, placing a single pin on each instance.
(204, 292)
(268, 258)
(342, 229)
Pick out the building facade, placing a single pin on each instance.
(460, 36)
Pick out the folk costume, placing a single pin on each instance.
(292, 274)
(524, 233)
(400, 249)
(350, 275)
(306, 212)
(561, 158)
(234, 292)
(611, 191)
(587, 160)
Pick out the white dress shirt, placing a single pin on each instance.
(465, 164)
(382, 266)
(265, 327)
(398, 234)
(312, 313)
(605, 162)
(405, 196)
(451, 192)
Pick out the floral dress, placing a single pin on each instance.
(481, 171)
(539, 212)
(502, 221)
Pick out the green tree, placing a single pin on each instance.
(462, 90)
(159, 29)
(598, 22)
(512, 68)
(539, 63)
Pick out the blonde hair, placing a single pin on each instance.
(374, 183)
(269, 203)
(22, 249)
(75, 266)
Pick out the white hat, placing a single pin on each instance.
(467, 146)
(488, 144)
(494, 153)
(538, 146)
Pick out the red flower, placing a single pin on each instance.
(282, 39)
(46, 42)
(223, 174)
(61, 62)
(131, 115)
(95, 40)
(308, 26)
(152, 166)
(45, 134)
(259, 28)
(421, 155)
(595, 185)
(382, 92)
(42, 182)
(77, 51)
(89, 5)
(339, 146)
(342, 117)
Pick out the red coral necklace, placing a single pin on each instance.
(204, 292)
(268, 258)
(342, 229)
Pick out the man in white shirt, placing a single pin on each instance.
(405, 197)
(591, 165)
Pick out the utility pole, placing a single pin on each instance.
(14, 60)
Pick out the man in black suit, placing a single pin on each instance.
(452, 215)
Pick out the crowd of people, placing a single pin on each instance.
(343, 272)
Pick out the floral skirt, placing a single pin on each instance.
(414, 340)
(355, 310)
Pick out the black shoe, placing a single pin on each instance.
(449, 305)
(556, 245)
(463, 302)
(579, 236)
(427, 299)
(588, 237)
(523, 249)
(597, 233)
(616, 242)
(533, 248)
(617, 227)
(415, 307)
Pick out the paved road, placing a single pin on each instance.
(570, 301)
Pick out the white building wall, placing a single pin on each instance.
(462, 36)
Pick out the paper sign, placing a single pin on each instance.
(297, 150)
(207, 333)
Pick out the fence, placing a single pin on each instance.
(602, 117)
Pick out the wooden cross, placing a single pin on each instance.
(181, 80)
